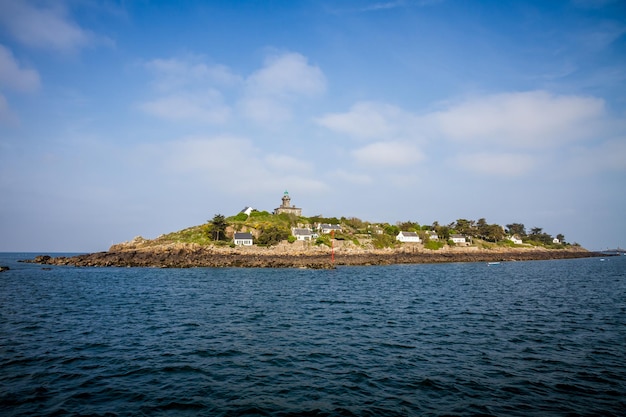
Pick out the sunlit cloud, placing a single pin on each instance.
(205, 107)
(388, 154)
(535, 119)
(46, 26)
(288, 164)
(372, 120)
(351, 177)
(230, 164)
(15, 77)
(7, 116)
(272, 91)
(609, 156)
(174, 73)
(289, 74)
(494, 164)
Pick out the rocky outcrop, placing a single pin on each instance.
(287, 256)
(4, 268)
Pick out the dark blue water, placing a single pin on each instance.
(522, 338)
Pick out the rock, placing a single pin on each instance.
(4, 268)
(187, 256)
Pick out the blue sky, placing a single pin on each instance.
(120, 119)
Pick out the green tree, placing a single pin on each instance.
(272, 235)
(561, 238)
(465, 227)
(443, 232)
(218, 227)
(536, 231)
(408, 226)
(516, 229)
(493, 232)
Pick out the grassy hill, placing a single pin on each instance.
(269, 229)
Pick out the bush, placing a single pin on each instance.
(323, 240)
(383, 241)
(291, 239)
(272, 235)
(241, 217)
(434, 245)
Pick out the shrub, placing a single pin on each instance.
(241, 217)
(434, 245)
(323, 240)
(383, 241)
(291, 239)
(272, 235)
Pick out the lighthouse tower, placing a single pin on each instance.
(286, 200)
(286, 206)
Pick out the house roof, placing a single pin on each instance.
(330, 226)
(409, 234)
(458, 236)
(243, 235)
(300, 232)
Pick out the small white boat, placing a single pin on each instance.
(493, 263)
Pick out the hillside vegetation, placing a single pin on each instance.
(269, 229)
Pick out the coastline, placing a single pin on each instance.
(282, 256)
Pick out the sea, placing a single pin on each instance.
(534, 338)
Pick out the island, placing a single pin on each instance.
(286, 239)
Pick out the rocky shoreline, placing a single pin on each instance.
(189, 256)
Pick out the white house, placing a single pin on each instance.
(408, 237)
(432, 235)
(243, 239)
(458, 239)
(301, 233)
(327, 228)
(555, 240)
(247, 210)
(515, 239)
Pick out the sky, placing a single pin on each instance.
(138, 118)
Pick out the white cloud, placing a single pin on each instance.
(267, 96)
(203, 108)
(173, 74)
(350, 177)
(271, 92)
(230, 164)
(371, 120)
(607, 156)
(47, 27)
(287, 75)
(265, 110)
(500, 164)
(288, 164)
(535, 119)
(388, 154)
(6, 114)
(14, 77)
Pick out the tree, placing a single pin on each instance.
(516, 229)
(443, 232)
(561, 238)
(218, 229)
(408, 226)
(464, 227)
(493, 232)
(272, 235)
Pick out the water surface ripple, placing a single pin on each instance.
(522, 338)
